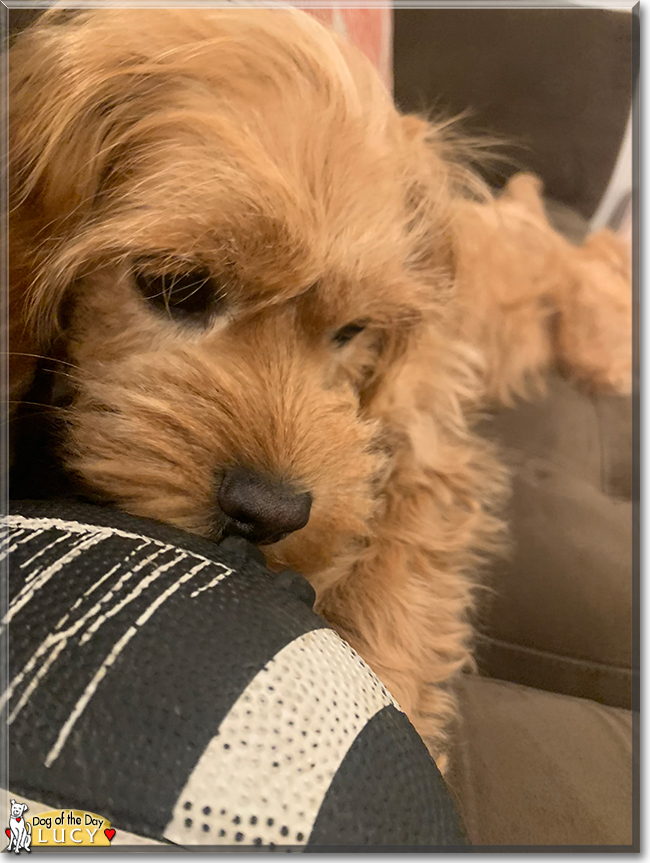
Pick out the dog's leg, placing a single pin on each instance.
(530, 300)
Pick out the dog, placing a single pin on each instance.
(21, 831)
(276, 306)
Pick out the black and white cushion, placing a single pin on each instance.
(187, 694)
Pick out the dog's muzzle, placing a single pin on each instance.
(261, 509)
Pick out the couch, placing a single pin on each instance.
(546, 750)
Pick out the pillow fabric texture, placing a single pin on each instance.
(188, 694)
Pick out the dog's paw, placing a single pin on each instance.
(594, 325)
(526, 189)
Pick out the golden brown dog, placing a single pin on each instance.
(281, 303)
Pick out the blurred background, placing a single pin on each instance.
(558, 83)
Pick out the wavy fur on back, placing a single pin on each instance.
(256, 147)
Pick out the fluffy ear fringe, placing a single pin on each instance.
(63, 113)
(412, 590)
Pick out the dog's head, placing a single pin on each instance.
(17, 809)
(238, 240)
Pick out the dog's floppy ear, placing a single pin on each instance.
(69, 124)
(49, 148)
(438, 179)
(441, 175)
(24, 347)
(428, 382)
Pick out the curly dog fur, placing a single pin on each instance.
(363, 296)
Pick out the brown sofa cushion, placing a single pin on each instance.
(560, 615)
(537, 768)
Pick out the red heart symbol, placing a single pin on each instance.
(8, 832)
(109, 834)
(18, 819)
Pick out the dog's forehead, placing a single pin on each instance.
(247, 119)
(267, 225)
(305, 200)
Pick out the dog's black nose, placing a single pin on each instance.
(261, 509)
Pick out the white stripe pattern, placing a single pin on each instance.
(36, 582)
(62, 637)
(263, 777)
(37, 525)
(103, 606)
(81, 704)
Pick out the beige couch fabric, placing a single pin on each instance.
(538, 768)
(560, 613)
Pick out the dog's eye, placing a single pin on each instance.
(347, 333)
(189, 296)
